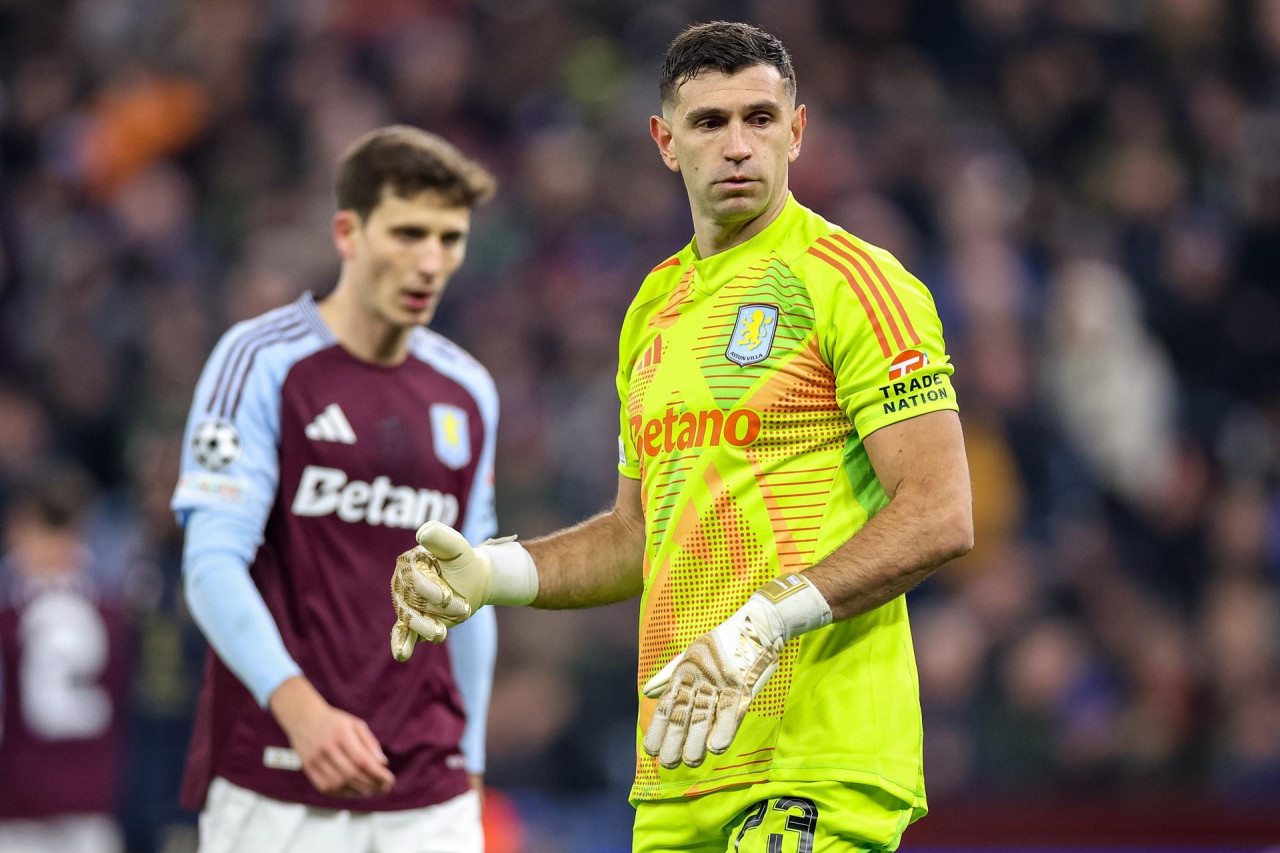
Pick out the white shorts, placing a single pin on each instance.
(66, 834)
(236, 819)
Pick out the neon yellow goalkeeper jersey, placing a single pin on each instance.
(748, 382)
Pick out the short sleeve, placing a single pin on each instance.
(881, 334)
(628, 458)
(230, 460)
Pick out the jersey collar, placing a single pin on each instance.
(722, 266)
(311, 315)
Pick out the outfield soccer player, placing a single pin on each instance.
(64, 678)
(320, 434)
(791, 464)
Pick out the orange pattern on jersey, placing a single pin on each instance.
(893, 294)
(684, 603)
(856, 266)
(652, 354)
(679, 299)
(660, 622)
(803, 392)
(862, 298)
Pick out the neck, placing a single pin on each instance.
(716, 237)
(363, 334)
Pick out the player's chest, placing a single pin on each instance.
(721, 346)
(388, 431)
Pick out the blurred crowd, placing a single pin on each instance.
(1091, 189)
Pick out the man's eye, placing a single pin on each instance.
(451, 239)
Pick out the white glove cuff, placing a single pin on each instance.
(797, 602)
(515, 577)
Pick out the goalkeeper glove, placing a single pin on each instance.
(709, 687)
(444, 580)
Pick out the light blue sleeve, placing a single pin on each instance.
(473, 648)
(226, 488)
(473, 645)
(230, 458)
(227, 605)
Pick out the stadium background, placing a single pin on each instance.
(1091, 188)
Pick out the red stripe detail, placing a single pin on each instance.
(871, 285)
(745, 763)
(862, 297)
(906, 318)
(657, 349)
(696, 791)
(672, 262)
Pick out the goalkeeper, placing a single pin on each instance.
(791, 464)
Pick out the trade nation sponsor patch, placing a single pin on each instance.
(907, 361)
(914, 391)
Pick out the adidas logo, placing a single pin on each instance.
(331, 425)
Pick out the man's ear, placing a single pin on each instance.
(798, 120)
(661, 133)
(345, 225)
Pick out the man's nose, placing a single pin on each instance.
(737, 147)
(429, 258)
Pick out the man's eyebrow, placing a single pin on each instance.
(696, 115)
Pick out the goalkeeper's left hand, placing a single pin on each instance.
(709, 687)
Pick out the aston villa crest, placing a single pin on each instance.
(753, 334)
(451, 435)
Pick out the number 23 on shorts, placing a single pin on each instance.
(782, 825)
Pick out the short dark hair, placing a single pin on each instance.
(408, 162)
(725, 46)
(56, 496)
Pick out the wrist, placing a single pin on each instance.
(292, 701)
(794, 604)
(515, 577)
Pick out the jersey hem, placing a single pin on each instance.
(782, 773)
(881, 422)
(382, 803)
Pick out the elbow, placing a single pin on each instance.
(955, 536)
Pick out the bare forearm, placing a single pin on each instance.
(596, 562)
(897, 549)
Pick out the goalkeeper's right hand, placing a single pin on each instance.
(444, 580)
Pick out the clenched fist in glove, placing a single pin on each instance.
(707, 689)
(444, 580)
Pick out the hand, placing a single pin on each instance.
(709, 687)
(444, 580)
(426, 606)
(340, 755)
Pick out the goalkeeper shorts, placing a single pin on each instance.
(810, 817)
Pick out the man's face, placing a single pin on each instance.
(401, 257)
(732, 138)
